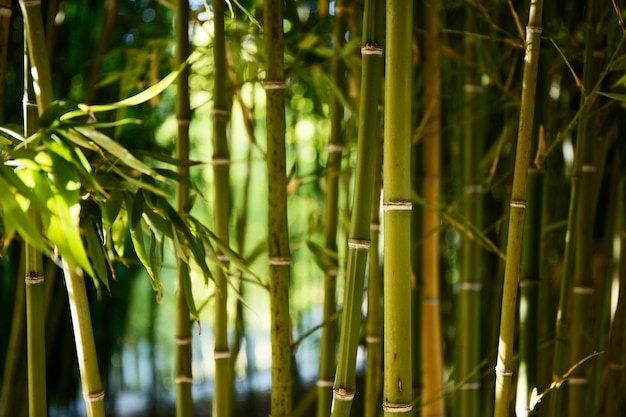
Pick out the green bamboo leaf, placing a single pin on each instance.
(118, 151)
(54, 111)
(15, 219)
(157, 286)
(111, 208)
(614, 96)
(12, 136)
(325, 258)
(136, 235)
(189, 296)
(95, 251)
(167, 159)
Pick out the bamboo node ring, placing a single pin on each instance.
(324, 383)
(342, 394)
(31, 2)
(589, 168)
(518, 204)
(577, 380)
(183, 380)
(580, 289)
(473, 88)
(503, 372)
(33, 278)
(359, 244)
(374, 227)
(471, 189)
(397, 408)
(183, 341)
(5, 11)
(332, 272)
(220, 161)
(470, 386)
(397, 205)
(371, 49)
(280, 260)
(274, 85)
(222, 258)
(373, 339)
(92, 398)
(334, 148)
(183, 121)
(534, 29)
(223, 354)
(470, 286)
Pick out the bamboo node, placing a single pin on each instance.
(274, 85)
(473, 189)
(371, 49)
(470, 286)
(220, 161)
(589, 168)
(332, 272)
(577, 380)
(221, 354)
(503, 371)
(5, 11)
(342, 394)
(33, 278)
(529, 282)
(431, 300)
(396, 408)
(534, 29)
(95, 397)
(616, 366)
(28, 3)
(220, 113)
(222, 258)
(374, 226)
(397, 205)
(470, 386)
(521, 204)
(183, 121)
(473, 88)
(334, 148)
(183, 341)
(359, 244)
(373, 339)
(280, 260)
(183, 380)
(324, 383)
(583, 290)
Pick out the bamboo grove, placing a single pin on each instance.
(298, 208)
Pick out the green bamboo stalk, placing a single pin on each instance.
(5, 23)
(278, 237)
(13, 381)
(529, 294)
(432, 344)
(93, 391)
(344, 387)
(34, 280)
(183, 338)
(222, 399)
(397, 378)
(328, 340)
(504, 367)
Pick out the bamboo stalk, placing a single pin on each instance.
(6, 11)
(278, 237)
(529, 294)
(432, 344)
(504, 367)
(183, 353)
(328, 340)
(222, 400)
(344, 387)
(397, 378)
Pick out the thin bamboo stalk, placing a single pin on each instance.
(529, 294)
(344, 387)
(222, 400)
(328, 339)
(5, 23)
(397, 378)
(278, 236)
(183, 371)
(432, 344)
(504, 367)
(13, 379)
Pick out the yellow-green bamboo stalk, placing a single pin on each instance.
(397, 378)
(34, 279)
(182, 367)
(432, 345)
(470, 288)
(529, 294)
(222, 398)
(278, 237)
(344, 387)
(328, 339)
(13, 379)
(504, 367)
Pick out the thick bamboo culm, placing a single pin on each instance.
(328, 340)
(344, 387)
(223, 397)
(397, 377)
(182, 366)
(504, 366)
(278, 237)
(433, 403)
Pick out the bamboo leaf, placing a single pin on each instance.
(11, 137)
(15, 219)
(95, 251)
(166, 159)
(325, 259)
(614, 96)
(136, 233)
(54, 110)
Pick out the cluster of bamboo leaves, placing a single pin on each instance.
(498, 245)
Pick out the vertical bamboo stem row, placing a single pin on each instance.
(529, 294)
(432, 345)
(182, 366)
(397, 378)
(504, 366)
(344, 387)
(333, 170)
(278, 237)
(221, 158)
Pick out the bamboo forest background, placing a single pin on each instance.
(293, 201)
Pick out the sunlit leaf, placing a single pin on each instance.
(614, 96)
(95, 251)
(54, 110)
